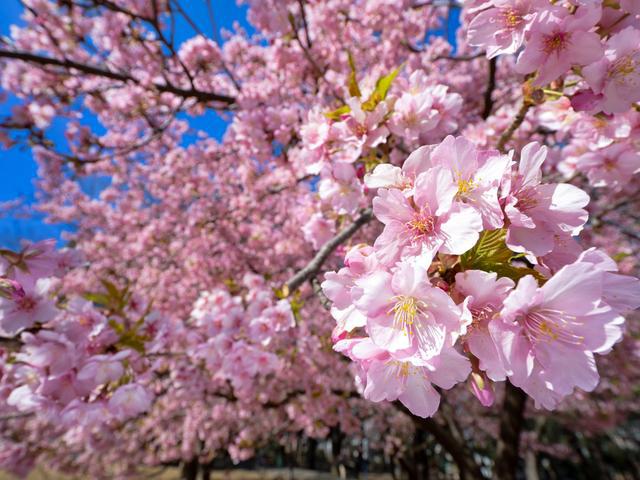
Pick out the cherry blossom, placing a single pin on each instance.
(559, 40)
(323, 228)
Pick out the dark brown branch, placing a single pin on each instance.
(491, 85)
(11, 344)
(461, 58)
(275, 189)
(304, 23)
(14, 416)
(314, 266)
(511, 423)
(305, 50)
(292, 395)
(468, 467)
(317, 289)
(520, 116)
(106, 73)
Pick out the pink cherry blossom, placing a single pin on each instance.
(537, 211)
(406, 314)
(387, 378)
(428, 223)
(558, 40)
(130, 400)
(26, 308)
(501, 27)
(548, 334)
(367, 126)
(199, 175)
(386, 175)
(616, 76)
(102, 369)
(485, 293)
(478, 176)
(318, 230)
(612, 166)
(414, 112)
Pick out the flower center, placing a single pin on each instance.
(26, 303)
(610, 164)
(422, 225)
(411, 119)
(555, 42)
(403, 369)
(548, 325)
(361, 130)
(481, 316)
(405, 311)
(526, 200)
(465, 186)
(625, 66)
(510, 18)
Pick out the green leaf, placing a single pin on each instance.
(100, 299)
(338, 112)
(380, 93)
(491, 254)
(117, 327)
(111, 289)
(352, 81)
(129, 337)
(618, 257)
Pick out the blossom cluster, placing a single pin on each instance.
(241, 332)
(63, 359)
(596, 40)
(476, 275)
(320, 121)
(342, 145)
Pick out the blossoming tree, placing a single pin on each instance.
(387, 220)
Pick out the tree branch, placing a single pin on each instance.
(317, 289)
(304, 23)
(491, 85)
(520, 116)
(106, 73)
(468, 467)
(14, 416)
(511, 423)
(313, 267)
(11, 344)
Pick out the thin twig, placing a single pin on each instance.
(304, 23)
(520, 116)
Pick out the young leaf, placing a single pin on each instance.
(352, 81)
(491, 254)
(338, 112)
(380, 93)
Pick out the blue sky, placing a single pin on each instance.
(17, 167)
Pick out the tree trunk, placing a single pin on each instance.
(337, 437)
(190, 470)
(312, 447)
(511, 422)
(206, 471)
(421, 456)
(457, 448)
